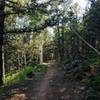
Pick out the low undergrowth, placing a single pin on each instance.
(86, 71)
(20, 75)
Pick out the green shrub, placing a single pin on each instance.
(20, 75)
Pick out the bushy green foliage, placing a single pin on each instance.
(93, 87)
(88, 71)
(92, 80)
(93, 58)
(40, 68)
(20, 75)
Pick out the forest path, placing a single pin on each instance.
(44, 88)
(38, 90)
(51, 87)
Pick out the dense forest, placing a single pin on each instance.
(37, 33)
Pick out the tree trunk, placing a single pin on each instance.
(62, 41)
(25, 61)
(41, 48)
(58, 42)
(3, 61)
(41, 54)
(19, 62)
(2, 17)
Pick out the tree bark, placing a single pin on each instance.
(25, 61)
(2, 18)
(19, 62)
(41, 48)
(41, 54)
(3, 62)
(58, 41)
(62, 41)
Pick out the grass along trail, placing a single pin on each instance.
(49, 87)
(36, 90)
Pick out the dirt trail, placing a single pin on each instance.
(44, 88)
(51, 87)
(38, 91)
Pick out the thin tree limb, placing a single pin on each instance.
(81, 38)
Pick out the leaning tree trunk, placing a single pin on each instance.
(2, 16)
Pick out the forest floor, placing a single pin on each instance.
(50, 87)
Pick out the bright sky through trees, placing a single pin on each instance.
(82, 3)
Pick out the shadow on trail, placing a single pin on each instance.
(50, 87)
(35, 89)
